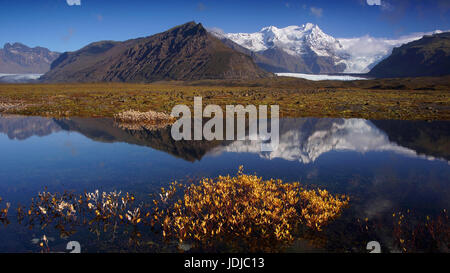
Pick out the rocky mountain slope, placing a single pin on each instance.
(20, 59)
(429, 56)
(186, 52)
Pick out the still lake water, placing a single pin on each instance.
(385, 166)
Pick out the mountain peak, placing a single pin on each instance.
(294, 40)
(15, 45)
(188, 29)
(19, 58)
(189, 25)
(309, 26)
(269, 28)
(303, 28)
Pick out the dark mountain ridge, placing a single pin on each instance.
(429, 56)
(185, 52)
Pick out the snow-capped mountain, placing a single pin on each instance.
(307, 49)
(294, 40)
(314, 51)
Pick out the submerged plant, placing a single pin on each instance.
(242, 212)
(320, 207)
(4, 212)
(227, 213)
(100, 212)
(246, 211)
(421, 234)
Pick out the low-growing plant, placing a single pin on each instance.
(247, 211)
(151, 117)
(421, 234)
(135, 120)
(4, 212)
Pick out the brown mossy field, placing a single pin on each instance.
(403, 99)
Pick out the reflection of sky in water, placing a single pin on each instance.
(345, 156)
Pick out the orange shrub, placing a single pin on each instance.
(246, 209)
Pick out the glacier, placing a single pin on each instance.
(321, 77)
(18, 78)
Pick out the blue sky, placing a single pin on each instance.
(66, 25)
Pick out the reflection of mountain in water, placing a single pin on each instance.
(19, 127)
(105, 130)
(308, 138)
(428, 138)
(302, 139)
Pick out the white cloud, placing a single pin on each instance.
(201, 7)
(374, 2)
(384, 5)
(316, 11)
(66, 38)
(218, 32)
(73, 2)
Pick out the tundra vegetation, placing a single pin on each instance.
(404, 99)
(135, 120)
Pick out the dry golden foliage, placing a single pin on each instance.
(9, 106)
(319, 207)
(246, 209)
(4, 212)
(152, 117)
(140, 126)
(135, 120)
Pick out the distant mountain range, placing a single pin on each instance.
(429, 56)
(307, 49)
(189, 52)
(186, 52)
(20, 59)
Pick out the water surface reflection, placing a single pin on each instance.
(384, 165)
